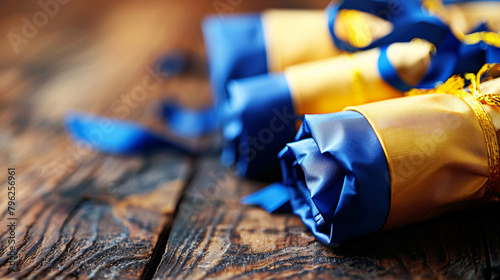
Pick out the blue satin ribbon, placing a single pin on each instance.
(336, 176)
(389, 73)
(493, 55)
(273, 198)
(235, 48)
(408, 18)
(443, 64)
(113, 136)
(261, 121)
(474, 56)
(190, 123)
(451, 57)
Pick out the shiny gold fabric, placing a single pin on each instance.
(436, 154)
(331, 85)
(351, 79)
(294, 36)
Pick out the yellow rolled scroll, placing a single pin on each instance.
(298, 36)
(351, 79)
(438, 152)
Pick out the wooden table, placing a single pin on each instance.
(83, 215)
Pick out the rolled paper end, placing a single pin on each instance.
(261, 121)
(109, 135)
(235, 48)
(415, 64)
(411, 61)
(337, 176)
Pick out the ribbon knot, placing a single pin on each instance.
(475, 80)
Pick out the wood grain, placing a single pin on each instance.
(81, 214)
(102, 218)
(84, 215)
(213, 236)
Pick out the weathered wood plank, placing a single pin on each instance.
(213, 236)
(102, 218)
(81, 214)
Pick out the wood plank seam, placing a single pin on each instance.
(161, 244)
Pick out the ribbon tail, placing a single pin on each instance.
(190, 123)
(113, 136)
(273, 198)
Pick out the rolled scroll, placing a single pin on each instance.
(391, 163)
(264, 109)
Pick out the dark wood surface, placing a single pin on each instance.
(84, 215)
(213, 236)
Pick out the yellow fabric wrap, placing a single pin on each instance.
(296, 36)
(436, 153)
(332, 84)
